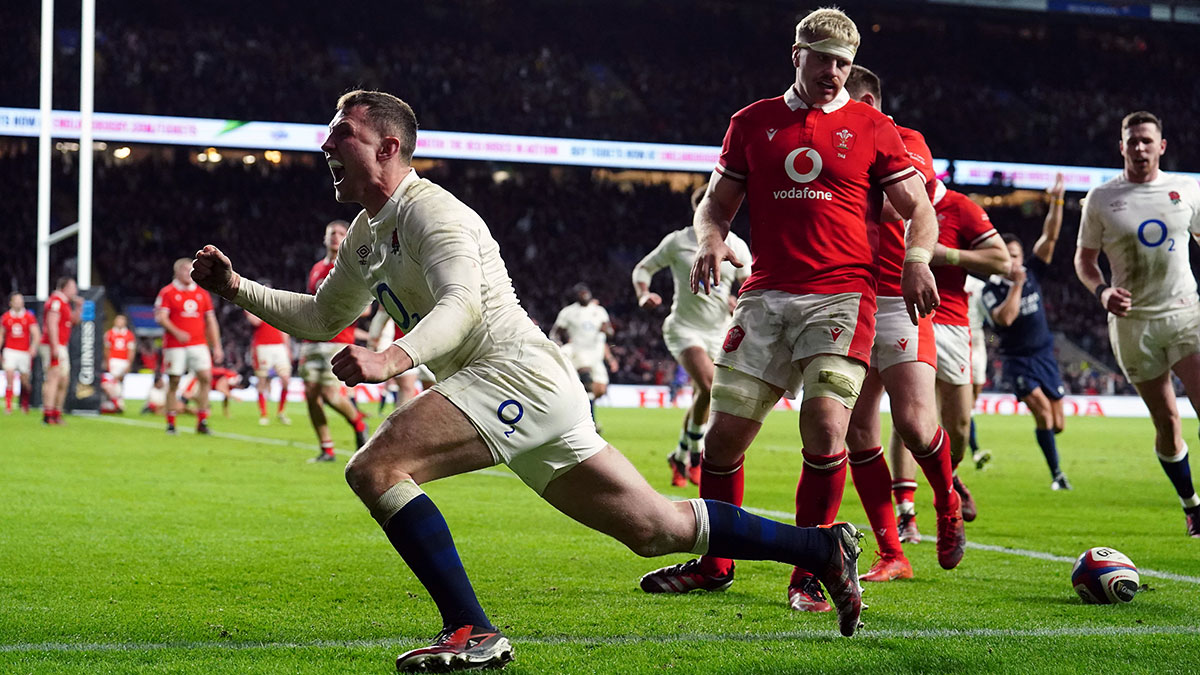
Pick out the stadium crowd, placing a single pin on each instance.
(1008, 86)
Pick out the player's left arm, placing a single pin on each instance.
(917, 285)
(212, 335)
(453, 270)
(1043, 248)
(35, 337)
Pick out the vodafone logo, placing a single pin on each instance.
(789, 165)
(190, 306)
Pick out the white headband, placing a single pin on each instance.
(831, 46)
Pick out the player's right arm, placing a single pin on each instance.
(917, 284)
(254, 320)
(52, 332)
(1007, 311)
(319, 317)
(1043, 248)
(645, 270)
(162, 316)
(714, 215)
(1087, 262)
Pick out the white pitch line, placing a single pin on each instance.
(779, 515)
(864, 634)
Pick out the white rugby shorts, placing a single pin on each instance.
(275, 357)
(680, 336)
(19, 360)
(978, 357)
(897, 340)
(529, 408)
(64, 358)
(316, 362)
(118, 368)
(180, 360)
(953, 353)
(1147, 348)
(772, 331)
(592, 359)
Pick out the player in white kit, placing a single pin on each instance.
(506, 393)
(694, 330)
(1142, 221)
(975, 314)
(583, 329)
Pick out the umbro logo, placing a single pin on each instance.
(903, 344)
(836, 333)
(363, 251)
(771, 134)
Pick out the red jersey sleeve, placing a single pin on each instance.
(205, 301)
(161, 301)
(920, 156)
(974, 225)
(732, 163)
(892, 163)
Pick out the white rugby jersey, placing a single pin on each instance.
(583, 325)
(701, 311)
(432, 265)
(1143, 229)
(975, 309)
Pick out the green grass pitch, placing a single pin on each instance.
(123, 550)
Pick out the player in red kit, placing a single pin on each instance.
(270, 350)
(119, 347)
(321, 386)
(60, 313)
(19, 333)
(185, 312)
(814, 167)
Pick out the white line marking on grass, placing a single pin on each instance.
(779, 515)
(215, 434)
(865, 634)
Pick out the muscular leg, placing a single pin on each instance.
(203, 387)
(1172, 453)
(1044, 415)
(954, 401)
(699, 367)
(872, 481)
(316, 413)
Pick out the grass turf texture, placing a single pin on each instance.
(124, 550)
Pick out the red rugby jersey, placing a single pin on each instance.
(962, 224)
(814, 180)
(18, 329)
(58, 302)
(315, 276)
(186, 308)
(891, 234)
(119, 342)
(266, 334)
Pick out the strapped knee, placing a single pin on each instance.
(736, 393)
(397, 497)
(836, 377)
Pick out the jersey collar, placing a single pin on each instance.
(183, 287)
(792, 98)
(393, 204)
(18, 313)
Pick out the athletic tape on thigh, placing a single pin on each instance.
(836, 377)
(702, 527)
(736, 393)
(1175, 458)
(396, 497)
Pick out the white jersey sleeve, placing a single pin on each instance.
(338, 302)
(654, 261)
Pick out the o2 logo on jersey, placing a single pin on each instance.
(510, 412)
(395, 309)
(1153, 233)
(789, 165)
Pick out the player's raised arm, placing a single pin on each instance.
(713, 218)
(917, 284)
(1043, 248)
(315, 317)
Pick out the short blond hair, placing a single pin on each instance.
(827, 22)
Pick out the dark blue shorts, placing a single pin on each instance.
(1026, 373)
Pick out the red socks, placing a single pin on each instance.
(723, 484)
(869, 470)
(282, 398)
(262, 404)
(819, 492)
(358, 423)
(934, 461)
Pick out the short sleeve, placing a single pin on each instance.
(732, 163)
(919, 155)
(992, 295)
(206, 304)
(974, 225)
(1194, 192)
(160, 302)
(1091, 227)
(891, 163)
